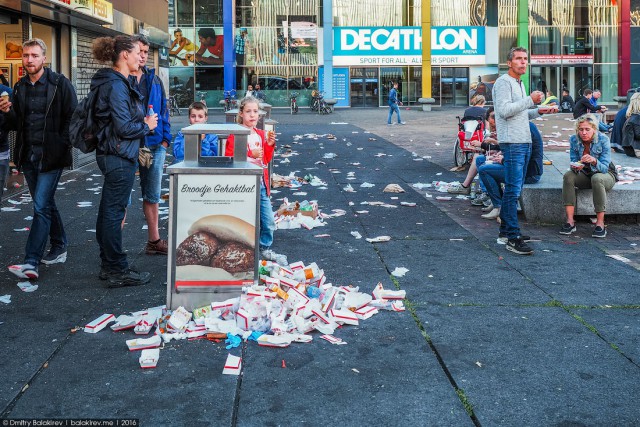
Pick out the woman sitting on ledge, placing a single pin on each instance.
(591, 167)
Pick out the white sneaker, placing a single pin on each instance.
(495, 213)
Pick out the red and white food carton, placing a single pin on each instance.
(296, 266)
(380, 293)
(99, 324)
(280, 341)
(143, 343)
(297, 296)
(124, 322)
(149, 358)
(232, 366)
(179, 319)
(344, 316)
(244, 320)
(366, 312)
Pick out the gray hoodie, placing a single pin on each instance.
(513, 108)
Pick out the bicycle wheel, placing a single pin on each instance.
(459, 157)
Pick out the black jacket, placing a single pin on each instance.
(120, 115)
(631, 132)
(583, 106)
(61, 101)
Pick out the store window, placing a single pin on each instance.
(545, 41)
(605, 77)
(208, 12)
(605, 47)
(184, 12)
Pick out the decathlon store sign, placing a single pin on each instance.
(403, 46)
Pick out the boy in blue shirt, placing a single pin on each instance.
(198, 113)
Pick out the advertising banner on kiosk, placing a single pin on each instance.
(215, 230)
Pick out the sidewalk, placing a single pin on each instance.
(488, 338)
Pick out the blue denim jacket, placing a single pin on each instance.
(600, 149)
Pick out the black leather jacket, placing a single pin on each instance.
(120, 115)
(61, 102)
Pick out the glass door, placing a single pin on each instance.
(364, 87)
(454, 86)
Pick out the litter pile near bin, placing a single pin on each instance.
(289, 303)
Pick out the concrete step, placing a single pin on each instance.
(543, 201)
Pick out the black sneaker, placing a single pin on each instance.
(502, 238)
(567, 229)
(128, 277)
(55, 256)
(599, 232)
(519, 247)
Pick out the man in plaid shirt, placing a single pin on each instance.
(240, 43)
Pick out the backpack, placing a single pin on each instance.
(83, 128)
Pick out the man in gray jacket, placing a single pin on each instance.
(513, 110)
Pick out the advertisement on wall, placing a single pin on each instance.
(561, 60)
(397, 46)
(99, 9)
(340, 85)
(481, 82)
(215, 230)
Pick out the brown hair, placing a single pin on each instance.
(36, 42)
(246, 100)
(108, 49)
(199, 106)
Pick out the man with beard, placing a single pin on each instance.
(43, 103)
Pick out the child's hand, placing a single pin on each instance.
(256, 153)
(271, 138)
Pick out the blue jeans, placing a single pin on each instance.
(47, 223)
(492, 175)
(119, 175)
(151, 177)
(516, 159)
(480, 160)
(392, 108)
(267, 224)
(4, 172)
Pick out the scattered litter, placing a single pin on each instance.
(367, 185)
(10, 209)
(355, 370)
(85, 204)
(232, 366)
(99, 324)
(329, 156)
(144, 343)
(479, 364)
(356, 234)
(393, 188)
(299, 193)
(380, 293)
(149, 358)
(322, 235)
(332, 339)
(5, 299)
(27, 286)
(379, 239)
(21, 229)
(399, 272)
(421, 186)
(349, 189)
(362, 212)
(456, 240)
(380, 155)
(619, 258)
(443, 198)
(410, 204)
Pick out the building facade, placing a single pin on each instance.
(353, 49)
(68, 27)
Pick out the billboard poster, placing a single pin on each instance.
(396, 46)
(215, 230)
(481, 82)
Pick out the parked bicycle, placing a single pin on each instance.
(230, 100)
(294, 102)
(319, 104)
(172, 105)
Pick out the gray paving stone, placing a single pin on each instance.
(548, 363)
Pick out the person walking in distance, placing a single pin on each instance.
(123, 123)
(43, 103)
(150, 87)
(393, 105)
(5, 92)
(513, 110)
